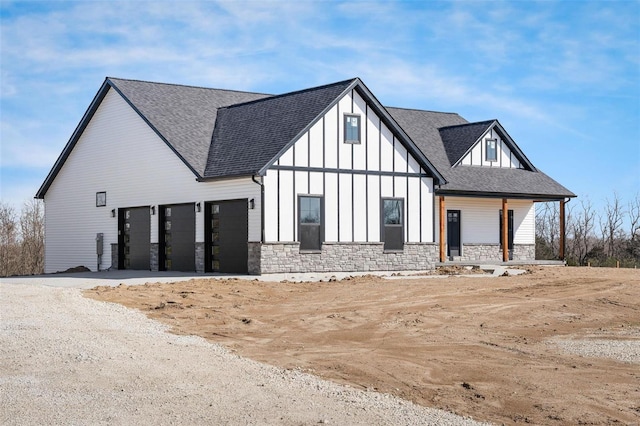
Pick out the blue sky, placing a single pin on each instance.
(563, 77)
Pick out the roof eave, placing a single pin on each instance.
(509, 195)
(227, 177)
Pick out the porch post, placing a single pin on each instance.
(442, 240)
(505, 230)
(562, 230)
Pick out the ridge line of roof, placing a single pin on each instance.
(424, 110)
(468, 124)
(187, 85)
(295, 92)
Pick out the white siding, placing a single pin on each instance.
(118, 153)
(271, 185)
(351, 200)
(524, 221)
(373, 135)
(427, 200)
(373, 205)
(345, 210)
(480, 219)
(331, 207)
(286, 207)
(477, 155)
(359, 208)
(317, 149)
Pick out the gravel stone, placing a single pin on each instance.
(66, 359)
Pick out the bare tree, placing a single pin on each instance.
(32, 244)
(581, 226)
(9, 243)
(634, 218)
(633, 243)
(548, 229)
(611, 224)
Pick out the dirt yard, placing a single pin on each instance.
(555, 346)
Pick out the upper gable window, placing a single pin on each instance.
(491, 151)
(351, 128)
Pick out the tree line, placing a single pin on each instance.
(609, 237)
(22, 239)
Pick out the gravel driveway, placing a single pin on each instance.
(65, 359)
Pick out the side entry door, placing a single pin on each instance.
(509, 232)
(453, 233)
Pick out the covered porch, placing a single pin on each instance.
(456, 247)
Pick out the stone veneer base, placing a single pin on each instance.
(268, 258)
(271, 258)
(493, 252)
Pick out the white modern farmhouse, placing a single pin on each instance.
(168, 177)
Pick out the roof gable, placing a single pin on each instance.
(248, 136)
(460, 139)
(183, 116)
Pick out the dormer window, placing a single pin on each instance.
(351, 128)
(491, 151)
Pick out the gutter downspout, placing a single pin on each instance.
(253, 178)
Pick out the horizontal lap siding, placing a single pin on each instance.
(118, 153)
(480, 219)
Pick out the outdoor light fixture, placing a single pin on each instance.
(153, 210)
(252, 203)
(113, 212)
(198, 207)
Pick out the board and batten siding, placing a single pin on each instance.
(480, 219)
(477, 155)
(352, 178)
(118, 153)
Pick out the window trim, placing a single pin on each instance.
(401, 225)
(321, 224)
(101, 199)
(495, 150)
(344, 125)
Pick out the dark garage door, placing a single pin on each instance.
(227, 233)
(134, 235)
(177, 237)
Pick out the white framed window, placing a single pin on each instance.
(491, 150)
(392, 223)
(351, 128)
(310, 222)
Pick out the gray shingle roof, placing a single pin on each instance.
(422, 127)
(445, 137)
(458, 139)
(496, 181)
(219, 133)
(183, 115)
(248, 136)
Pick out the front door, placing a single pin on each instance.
(134, 236)
(226, 236)
(509, 232)
(453, 233)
